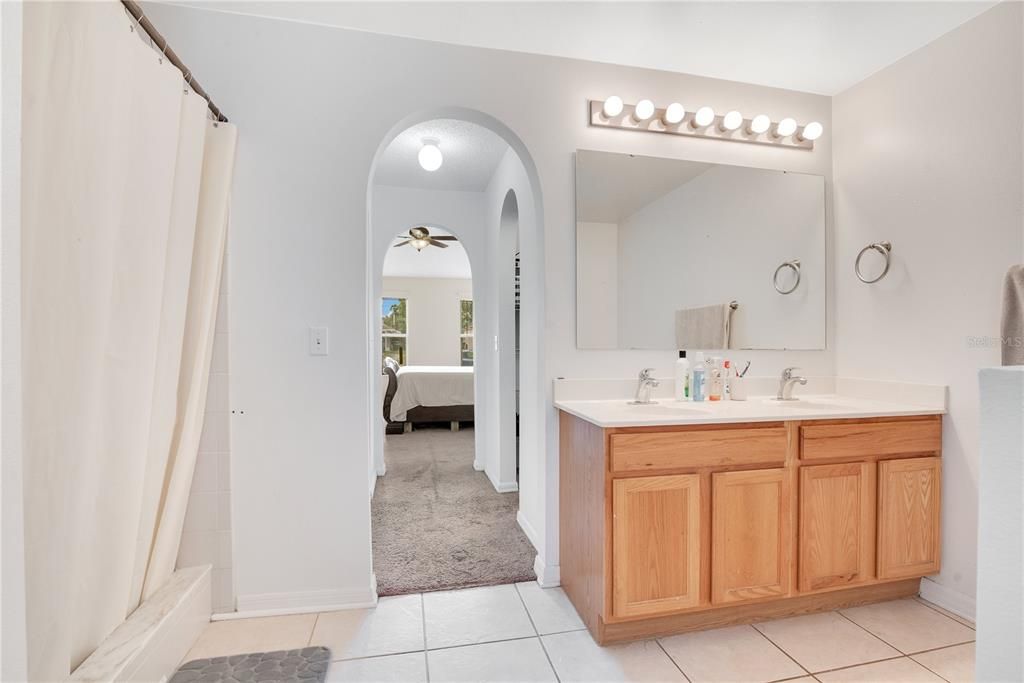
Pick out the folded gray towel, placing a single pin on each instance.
(706, 327)
(1012, 328)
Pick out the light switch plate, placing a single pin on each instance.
(318, 341)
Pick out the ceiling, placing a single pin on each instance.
(431, 262)
(818, 47)
(611, 187)
(471, 154)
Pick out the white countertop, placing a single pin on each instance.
(665, 411)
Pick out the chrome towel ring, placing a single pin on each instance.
(883, 248)
(795, 266)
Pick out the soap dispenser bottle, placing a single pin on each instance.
(682, 386)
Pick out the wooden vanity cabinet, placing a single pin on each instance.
(669, 529)
(656, 536)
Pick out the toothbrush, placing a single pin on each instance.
(745, 368)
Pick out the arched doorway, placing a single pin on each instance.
(509, 218)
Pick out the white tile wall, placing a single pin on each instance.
(206, 538)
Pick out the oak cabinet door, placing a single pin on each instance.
(908, 517)
(837, 525)
(655, 544)
(751, 543)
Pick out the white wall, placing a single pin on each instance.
(717, 238)
(597, 284)
(300, 257)
(947, 193)
(1000, 614)
(13, 653)
(432, 307)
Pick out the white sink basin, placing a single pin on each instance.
(662, 409)
(801, 404)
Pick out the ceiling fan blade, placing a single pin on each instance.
(451, 238)
(401, 244)
(435, 243)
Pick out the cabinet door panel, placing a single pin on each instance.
(908, 517)
(655, 544)
(751, 535)
(837, 525)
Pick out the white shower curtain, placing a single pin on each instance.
(125, 191)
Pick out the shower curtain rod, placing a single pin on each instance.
(161, 43)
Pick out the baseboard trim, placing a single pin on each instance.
(301, 602)
(527, 528)
(507, 487)
(948, 599)
(478, 466)
(547, 577)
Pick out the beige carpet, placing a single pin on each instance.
(438, 523)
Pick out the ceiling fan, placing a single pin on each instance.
(419, 238)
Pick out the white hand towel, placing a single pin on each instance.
(1012, 328)
(706, 327)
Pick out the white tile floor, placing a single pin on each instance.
(524, 633)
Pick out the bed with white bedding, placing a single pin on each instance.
(428, 393)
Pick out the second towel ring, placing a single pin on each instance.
(795, 266)
(883, 248)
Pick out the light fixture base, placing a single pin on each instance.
(656, 124)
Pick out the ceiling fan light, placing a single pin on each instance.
(419, 244)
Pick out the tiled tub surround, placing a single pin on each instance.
(526, 633)
(206, 537)
(678, 516)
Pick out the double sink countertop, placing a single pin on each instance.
(606, 403)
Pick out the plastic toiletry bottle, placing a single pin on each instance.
(715, 379)
(727, 374)
(697, 380)
(682, 388)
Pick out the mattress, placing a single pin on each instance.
(431, 385)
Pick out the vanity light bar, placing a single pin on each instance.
(704, 122)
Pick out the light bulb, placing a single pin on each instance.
(732, 120)
(419, 244)
(704, 117)
(612, 107)
(812, 131)
(674, 113)
(430, 156)
(760, 124)
(643, 110)
(785, 127)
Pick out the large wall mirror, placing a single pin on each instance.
(657, 239)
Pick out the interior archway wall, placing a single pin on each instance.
(476, 218)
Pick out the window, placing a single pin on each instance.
(394, 329)
(466, 332)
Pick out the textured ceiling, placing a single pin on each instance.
(431, 262)
(471, 154)
(819, 47)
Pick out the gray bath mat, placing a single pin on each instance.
(308, 665)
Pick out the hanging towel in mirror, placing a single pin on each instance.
(1012, 328)
(706, 327)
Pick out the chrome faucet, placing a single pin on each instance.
(643, 388)
(786, 383)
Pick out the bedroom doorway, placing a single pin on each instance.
(451, 177)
